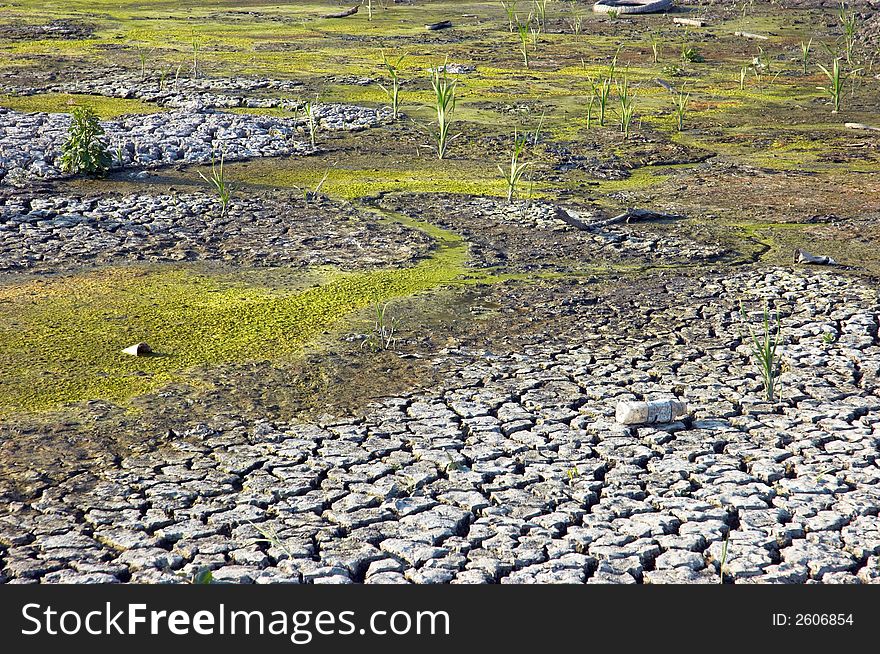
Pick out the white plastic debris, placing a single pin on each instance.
(138, 350)
(802, 256)
(643, 413)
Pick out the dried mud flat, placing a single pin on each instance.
(482, 446)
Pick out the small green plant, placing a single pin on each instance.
(271, 537)
(535, 32)
(522, 30)
(120, 154)
(613, 14)
(536, 135)
(218, 181)
(656, 47)
(444, 90)
(828, 338)
(612, 67)
(393, 89)
(723, 563)
(196, 49)
(572, 474)
(762, 67)
(602, 96)
(690, 54)
(310, 195)
(203, 576)
(540, 12)
(849, 23)
(142, 56)
(742, 76)
(310, 114)
(384, 329)
(763, 61)
(764, 344)
(836, 81)
(514, 173)
(84, 151)
(369, 6)
(626, 99)
(576, 19)
(805, 54)
(681, 101)
(510, 9)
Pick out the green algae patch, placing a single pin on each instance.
(640, 178)
(61, 339)
(59, 103)
(354, 179)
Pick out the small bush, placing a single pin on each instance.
(84, 151)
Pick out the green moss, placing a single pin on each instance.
(105, 107)
(639, 179)
(61, 338)
(351, 179)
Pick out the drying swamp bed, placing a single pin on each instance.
(393, 358)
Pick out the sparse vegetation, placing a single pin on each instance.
(444, 97)
(510, 10)
(849, 24)
(805, 54)
(764, 344)
(602, 94)
(626, 99)
(690, 54)
(196, 49)
(218, 182)
(392, 91)
(382, 336)
(514, 172)
(575, 19)
(84, 151)
(310, 117)
(522, 30)
(681, 101)
(656, 47)
(540, 13)
(836, 81)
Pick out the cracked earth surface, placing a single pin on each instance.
(514, 470)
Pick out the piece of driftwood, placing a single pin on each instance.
(802, 256)
(646, 413)
(442, 25)
(862, 126)
(690, 22)
(639, 215)
(573, 220)
(749, 35)
(631, 6)
(343, 14)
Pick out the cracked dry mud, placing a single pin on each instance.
(515, 471)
